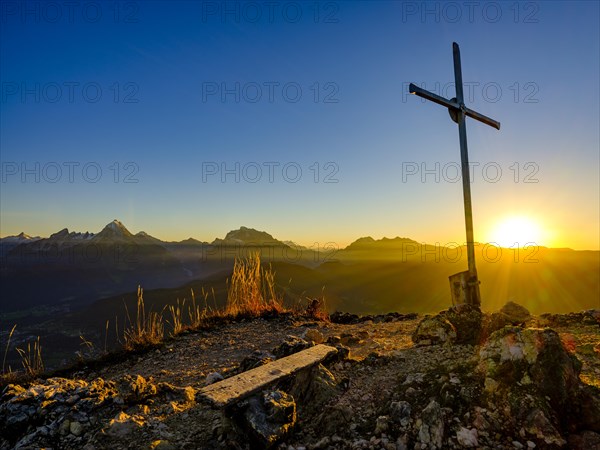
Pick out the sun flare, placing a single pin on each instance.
(517, 231)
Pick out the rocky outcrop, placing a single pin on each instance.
(313, 335)
(460, 324)
(431, 431)
(515, 355)
(268, 417)
(347, 318)
(434, 330)
(516, 388)
(313, 388)
(589, 317)
(467, 320)
(71, 412)
(291, 345)
(514, 313)
(517, 363)
(255, 359)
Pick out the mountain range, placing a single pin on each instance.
(116, 233)
(74, 282)
(76, 268)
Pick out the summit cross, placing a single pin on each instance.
(464, 285)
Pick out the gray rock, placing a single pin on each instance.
(122, 425)
(182, 394)
(65, 427)
(334, 340)
(382, 425)
(515, 314)
(313, 388)
(336, 419)
(434, 330)
(269, 416)
(134, 389)
(460, 324)
(256, 359)
(76, 428)
(213, 377)
(514, 355)
(467, 321)
(431, 431)
(400, 412)
(349, 339)
(314, 335)
(537, 424)
(467, 438)
(291, 345)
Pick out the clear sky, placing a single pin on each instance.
(189, 119)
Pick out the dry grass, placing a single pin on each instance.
(87, 351)
(251, 292)
(6, 350)
(32, 358)
(176, 317)
(251, 289)
(146, 330)
(196, 313)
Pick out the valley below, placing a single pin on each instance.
(78, 291)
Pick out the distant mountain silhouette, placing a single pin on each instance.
(368, 243)
(10, 242)
(247, 236)
(78, 268)
(75, 269)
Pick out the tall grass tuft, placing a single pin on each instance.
(146, 330)
(106, 338)
(7, 347)
(32, 358)
(251, 290)
(196, 313)
(176, 317)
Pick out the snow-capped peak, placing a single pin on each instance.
(117, 226)
(114, 229)
(20, 238)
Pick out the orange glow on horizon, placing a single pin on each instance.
(519, 230)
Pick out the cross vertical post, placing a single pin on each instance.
(473, 295)
(464, 285)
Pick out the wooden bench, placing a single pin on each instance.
(231, 390)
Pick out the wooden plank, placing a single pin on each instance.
(238, 387)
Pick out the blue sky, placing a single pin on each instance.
(161, 96)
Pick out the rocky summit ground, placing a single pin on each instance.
(397, 382)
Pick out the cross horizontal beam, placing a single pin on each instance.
(453, 105)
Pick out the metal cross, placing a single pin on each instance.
(464, 285)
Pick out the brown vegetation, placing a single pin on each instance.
(251, 292)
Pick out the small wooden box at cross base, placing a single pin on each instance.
(464, 288)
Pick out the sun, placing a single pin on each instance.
(517, 231)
